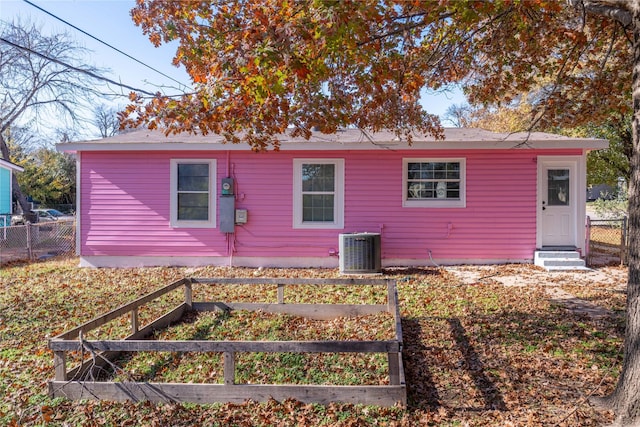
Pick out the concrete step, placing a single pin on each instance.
(559, 260)
(557, 254)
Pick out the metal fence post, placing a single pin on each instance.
(29, 249)
(587, 246)
(623, 242)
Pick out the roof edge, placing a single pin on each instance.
(11, 166)
(344, 139)
(585, 144)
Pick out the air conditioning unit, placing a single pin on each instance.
(360, 253)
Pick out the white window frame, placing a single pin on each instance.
(211, 222)
(434, 203)
(338, 202)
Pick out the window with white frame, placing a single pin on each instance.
(193, 193)
(318, 193)
(438, 183)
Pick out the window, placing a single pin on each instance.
(193, 193)
(318, 193)
(437, 183)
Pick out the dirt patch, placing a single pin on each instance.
(561, 287)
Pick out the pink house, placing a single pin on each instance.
(477, 197)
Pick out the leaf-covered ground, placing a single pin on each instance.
(483, 346)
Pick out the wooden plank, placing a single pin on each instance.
(280, 293)
(311, 311)
(188, 293)
(396, 374)
(286, 281)
(394, 367)
(229, 368)
(161, 322)
(212, 393)
(135, 325)
(60, 365)
(402, 378)
(113, 314)
(396, 316)
(391, 293)
(105, 357)
(233, 346)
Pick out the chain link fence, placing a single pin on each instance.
(607, 241)
(31, 242)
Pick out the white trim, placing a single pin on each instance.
(578, 165)
(216, 261)
(342, 139)
(271, 262)
(413, 262)
(338, 206)
(337, 146)
(11, 166)
(10, 196)
(435, 203)
(78, 206)
(175, 223)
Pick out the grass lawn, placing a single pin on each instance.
(475, 353)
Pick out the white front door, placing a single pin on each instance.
(557, 201)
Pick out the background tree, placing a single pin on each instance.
(105, 118)
(606, 166)
(514, 117)
(459, 115)
(266, 67)
(42, 77)
(49, 177)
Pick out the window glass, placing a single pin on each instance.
(558, 187)
(192, 198)
(193, 192)
(193, 207)
(434, 183)
(433, 180)
(193, 177)
(318, 184)
(317, 208)
(318, 193)
(318, 177)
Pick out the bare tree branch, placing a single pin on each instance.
(619, 10)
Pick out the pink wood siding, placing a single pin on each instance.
(125, 206)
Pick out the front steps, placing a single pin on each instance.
(559, 260)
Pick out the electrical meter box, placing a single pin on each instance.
(227, 214)
(227, 186)
(241, 216)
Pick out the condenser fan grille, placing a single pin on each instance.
(360, 253)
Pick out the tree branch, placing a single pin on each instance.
(619, 10)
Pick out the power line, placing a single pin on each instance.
(80, 70)
(103, 42)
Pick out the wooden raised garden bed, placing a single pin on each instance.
(99, 356)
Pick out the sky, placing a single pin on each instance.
(109, 21)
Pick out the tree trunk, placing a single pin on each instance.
(625, 400)
(15, 187)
